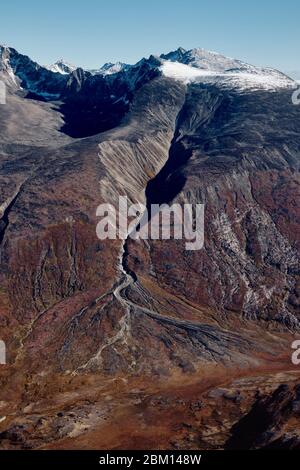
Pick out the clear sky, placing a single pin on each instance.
(91, 32)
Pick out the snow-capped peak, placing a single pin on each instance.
(110, 68)
(61, 66)
(204, 59)
(174, 56)
(211, 67)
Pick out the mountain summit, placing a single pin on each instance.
(61, 66)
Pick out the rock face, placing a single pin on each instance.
(270, 422)
(241, 175)
(62, 67)
(73, 307)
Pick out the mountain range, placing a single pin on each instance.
(106, 339)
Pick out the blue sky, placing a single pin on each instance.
(91, 32)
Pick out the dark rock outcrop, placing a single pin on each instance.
(270, 423)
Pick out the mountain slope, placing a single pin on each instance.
(74, 306)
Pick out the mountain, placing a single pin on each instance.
(146, 330)
(203, 59)
(199, 64)
(110, 68)
(94, 102)
(61, 66)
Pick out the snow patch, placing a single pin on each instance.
(62, 67)
(110, 69)
(182, 72)
(253, 78)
